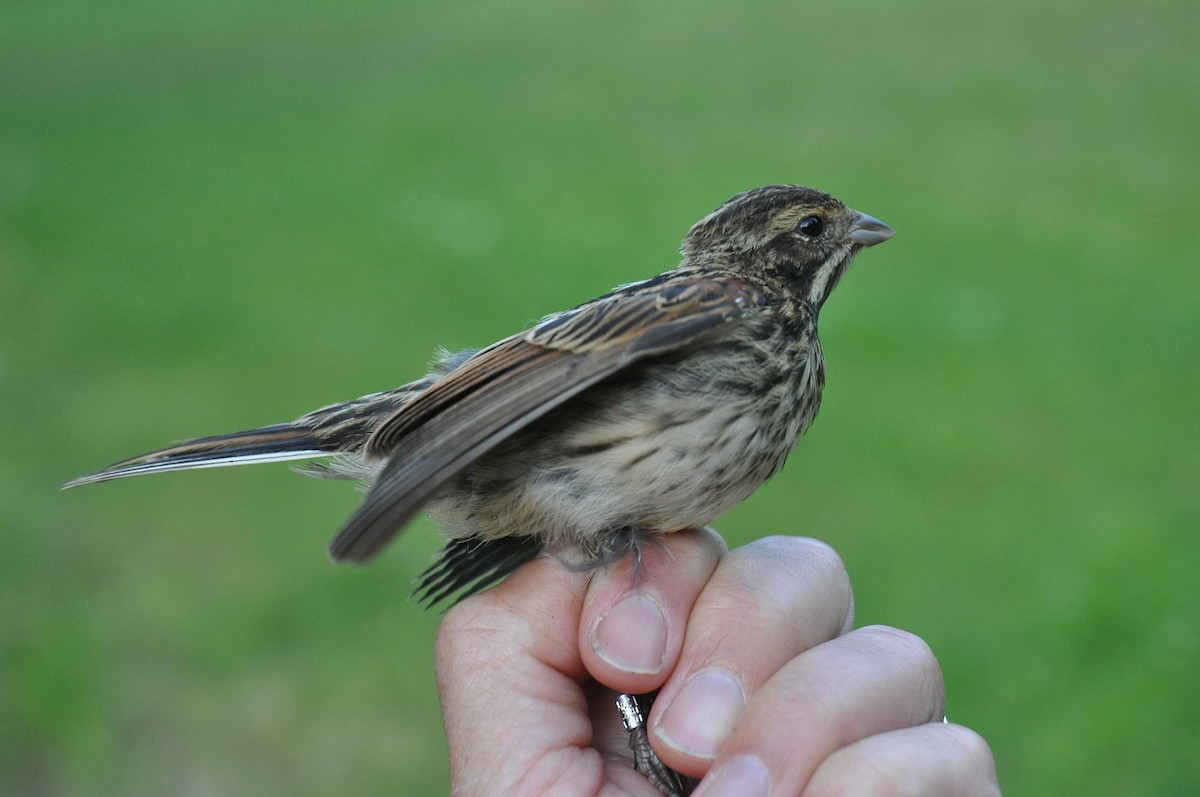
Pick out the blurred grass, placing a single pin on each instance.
(215, 215)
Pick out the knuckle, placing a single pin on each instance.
(799, 569)
(975, 750)
(913, 656)
(790, 590)
(450, 634)
(903, 643)
(460, 636)
(810, 557)
(792, 559)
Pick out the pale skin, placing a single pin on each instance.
(767, 689)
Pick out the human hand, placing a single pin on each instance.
(765, 689)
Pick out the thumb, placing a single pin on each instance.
(510, 678)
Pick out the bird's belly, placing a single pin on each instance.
(668, 479)
(648, 460)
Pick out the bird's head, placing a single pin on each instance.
(800, 238)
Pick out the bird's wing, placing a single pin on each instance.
(510, 384)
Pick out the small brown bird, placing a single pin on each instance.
(648, 410)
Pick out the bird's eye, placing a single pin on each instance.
(811, 226)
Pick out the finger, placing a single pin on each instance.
(766, 603)
(635, 614)
(509, 671)
(867, 682)
(934, 760)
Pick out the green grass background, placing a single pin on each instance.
(220, 214)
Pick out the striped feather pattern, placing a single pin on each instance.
(516, 381)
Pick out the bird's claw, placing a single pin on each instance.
(669, 782)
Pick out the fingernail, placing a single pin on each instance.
(701, 716)
(632, 635)
(744, 776)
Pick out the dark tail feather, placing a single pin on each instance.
(470, 566)
(278, 443)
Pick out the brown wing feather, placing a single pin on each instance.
(485, 368)
(512, 383)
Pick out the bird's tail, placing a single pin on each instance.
(336, 430)
(277, 443)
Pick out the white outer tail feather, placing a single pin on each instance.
(183, 463)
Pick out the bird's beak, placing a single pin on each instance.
(868, 230)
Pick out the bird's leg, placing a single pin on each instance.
(665, 779)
